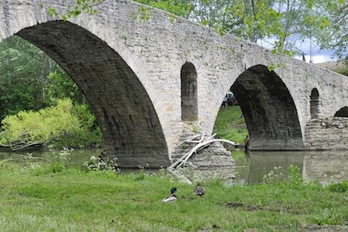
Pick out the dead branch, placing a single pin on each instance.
(182, 161)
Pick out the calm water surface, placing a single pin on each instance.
(321, 166)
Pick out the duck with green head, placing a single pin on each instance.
(172, 196)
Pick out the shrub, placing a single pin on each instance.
(62, 125)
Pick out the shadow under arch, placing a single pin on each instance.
(343, 112)
(125, 114)
(269, 110)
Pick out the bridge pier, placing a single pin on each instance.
(327, 134)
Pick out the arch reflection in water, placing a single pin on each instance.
(320, 166)
(326, 166)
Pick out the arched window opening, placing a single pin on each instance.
(189, 108)
(314, 103)
(343, 112)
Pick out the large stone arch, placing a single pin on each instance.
(269, 110)
(131, 128)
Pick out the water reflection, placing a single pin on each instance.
(321, 166)
(326, 167)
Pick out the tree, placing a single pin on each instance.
(335, 36)
(23, 72)
(280, 21)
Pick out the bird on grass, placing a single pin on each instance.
(172, 196)
(199, 190)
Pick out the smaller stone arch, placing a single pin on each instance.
(343, 112)
(314, 103)
(189, 106)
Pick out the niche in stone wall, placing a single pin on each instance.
(343, 112)
(189, 108)
(314, 103)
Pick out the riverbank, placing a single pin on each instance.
(44, 198)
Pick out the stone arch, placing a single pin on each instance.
(314, 103)
(269, 110)
(129, 123)
(343, 112)
(189, 106)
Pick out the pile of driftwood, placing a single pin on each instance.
(200, 144)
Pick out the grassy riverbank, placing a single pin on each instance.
(42, 198)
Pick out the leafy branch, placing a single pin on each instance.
(87, 6)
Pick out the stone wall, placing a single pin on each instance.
(327, 134)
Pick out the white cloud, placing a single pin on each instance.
(317, 58)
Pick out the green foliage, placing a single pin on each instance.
(328, 217)
(23, 72)
(87, 6)
(334, 34)
(295, 179)
(142, 14)
(98, 164)
(177, 7)
(230, 124)
(60, 160)
(58, 86)
(35, 127)
(254, 20)
(340, 67)
(338, 187)
(86, 134)
(63, 124)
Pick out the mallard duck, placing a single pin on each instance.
(199, 190)
(172, 196)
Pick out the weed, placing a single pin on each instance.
(338, 187)
(98, 164)
(327, 217)
(60, 160)
(275, 176)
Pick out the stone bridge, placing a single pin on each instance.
(152, 79)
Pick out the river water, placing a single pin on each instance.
(321, 166)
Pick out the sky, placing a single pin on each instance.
(311, 50)
(313, 53)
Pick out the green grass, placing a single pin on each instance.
(35, 199)
(230, 124)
